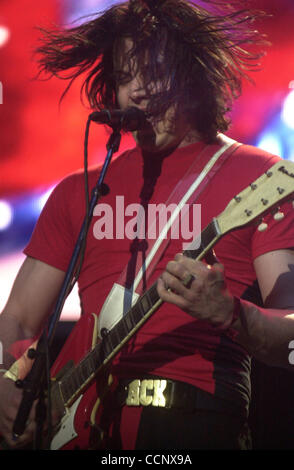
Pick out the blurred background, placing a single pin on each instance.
(41, 142)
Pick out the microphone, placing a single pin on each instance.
(130, 119)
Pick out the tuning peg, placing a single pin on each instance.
(262, 227)
(279, 215)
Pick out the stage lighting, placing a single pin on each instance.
(6, 215)
(270, 143)
(287, 114)
(4, 35)
(43, 199)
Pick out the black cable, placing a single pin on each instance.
(86, 180)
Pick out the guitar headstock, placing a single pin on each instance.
(263, 195)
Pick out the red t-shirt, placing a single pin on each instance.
(171, 344)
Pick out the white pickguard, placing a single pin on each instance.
(66, 431)
(113, 308)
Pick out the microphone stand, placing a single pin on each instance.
(34, 385)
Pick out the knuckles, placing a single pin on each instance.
(205, 294)
(175, 268)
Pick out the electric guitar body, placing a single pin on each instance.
(79, 427)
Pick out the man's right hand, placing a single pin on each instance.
(10, 399)
(30, 303)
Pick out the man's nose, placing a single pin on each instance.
(136, 90)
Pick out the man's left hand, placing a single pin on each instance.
(205, 297)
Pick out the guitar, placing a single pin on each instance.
(74, 388)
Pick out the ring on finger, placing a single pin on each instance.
(188, 280)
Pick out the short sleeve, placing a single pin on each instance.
(54, 235)
(278, 235)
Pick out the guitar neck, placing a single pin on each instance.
(75, 380)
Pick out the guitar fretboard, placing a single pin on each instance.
(76, 379)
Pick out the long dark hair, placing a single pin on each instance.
(204, 60)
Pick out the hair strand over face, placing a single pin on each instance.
(204, 55)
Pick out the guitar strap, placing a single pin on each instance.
(120, 299)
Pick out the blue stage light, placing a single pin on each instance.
(270, 142)
(287, 114)
(6, 215)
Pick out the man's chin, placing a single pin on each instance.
(155, 144)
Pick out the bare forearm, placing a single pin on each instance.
(266, 333)
(29, 305)
(11, 331)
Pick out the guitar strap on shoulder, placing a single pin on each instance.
(120, 299)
